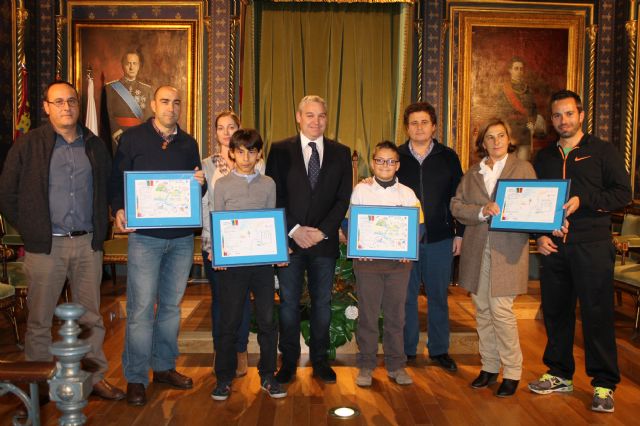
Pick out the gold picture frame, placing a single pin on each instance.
(167, 36)
(505, 62)
(629, 150)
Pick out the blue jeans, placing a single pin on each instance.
(157, 273)
(243, 329)
(320, 273)
(434, 270)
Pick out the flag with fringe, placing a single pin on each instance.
(92, 117)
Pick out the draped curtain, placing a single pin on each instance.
(356, 56)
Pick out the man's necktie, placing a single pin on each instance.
(313, 169)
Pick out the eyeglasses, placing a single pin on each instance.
(59, 103)
(388, 162)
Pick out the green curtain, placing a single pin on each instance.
(356, 56)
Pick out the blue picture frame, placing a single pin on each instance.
(536, 197)
(362, 244)
(270, 246)
(137, 218)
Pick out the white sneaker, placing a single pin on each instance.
(364, 377)
(400, 376)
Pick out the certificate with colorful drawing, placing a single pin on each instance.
(248, 237)
(381, 232)
(530, 205)
(162, 200)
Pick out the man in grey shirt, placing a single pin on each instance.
(54, 191)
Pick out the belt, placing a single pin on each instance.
(72, 234)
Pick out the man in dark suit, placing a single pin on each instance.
(313, 185)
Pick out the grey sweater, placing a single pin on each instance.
(233, 192)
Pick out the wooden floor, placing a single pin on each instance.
(436, 397)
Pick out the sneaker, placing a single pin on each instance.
(364, 377)
(549, 383)
(602, 400)
(272, 387)
(400, 376)
(221, 391)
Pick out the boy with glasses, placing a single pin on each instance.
(382, 283)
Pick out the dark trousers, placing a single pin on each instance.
(234, 285)
(320, 272)
(381, 284)
(581, 272)
(243, 329)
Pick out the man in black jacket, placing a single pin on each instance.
(54, 191)
(433, 171)
(159, 260)
(313, 184)
(579, 264)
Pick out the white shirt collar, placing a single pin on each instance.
(497, 166)
(305, 141)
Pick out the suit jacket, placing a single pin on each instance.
(323, 207)
(509, 250)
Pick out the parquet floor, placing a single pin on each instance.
(436, 397)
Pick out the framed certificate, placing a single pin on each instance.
(380, 232)
(249, 237)
(530, 205)
(168, 199)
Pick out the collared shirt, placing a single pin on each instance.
(417, 156)
(491, 176)
(70, 186)
(306, 155)
(306, 149)
(249, 178)
(166, 138)
(394, 195)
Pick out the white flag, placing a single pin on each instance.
(92, 117)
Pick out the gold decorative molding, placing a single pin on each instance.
(592, 34)
(22, 16)
(61, 21)
(208, 25)
(343, 1)
(631, 28)
(444, 29)
(419, 26)
(234, 24)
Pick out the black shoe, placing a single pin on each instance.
(445, 361)
(324, 372)
(136, 394)
(412, 357)
(285, 375)
(484, 379)
(507, 388)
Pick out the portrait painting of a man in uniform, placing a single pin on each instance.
(128, 98)
(128, 62)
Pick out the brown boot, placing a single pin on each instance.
(243, 363)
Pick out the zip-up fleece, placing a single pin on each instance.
(598, 178)
(24, 187)
(435, 183)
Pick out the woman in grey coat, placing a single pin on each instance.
(494, 266)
